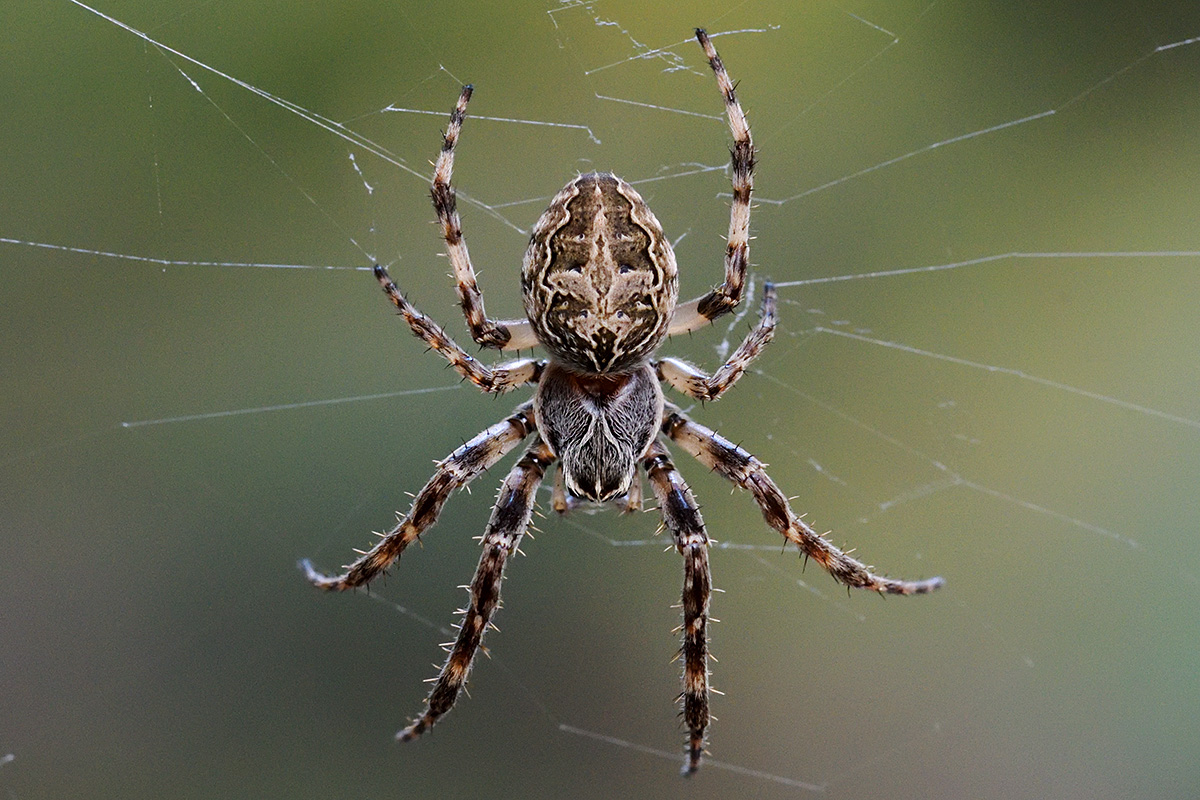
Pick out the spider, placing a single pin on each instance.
(600, 287)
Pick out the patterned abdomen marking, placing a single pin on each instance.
(599, 278)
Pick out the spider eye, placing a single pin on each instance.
(624, 268)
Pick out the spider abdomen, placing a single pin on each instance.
(599, 278)
(598, 426)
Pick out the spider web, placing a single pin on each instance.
(982, 224)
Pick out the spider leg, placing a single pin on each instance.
(743, 469)
(499, 379)
(722, 299)
(501, 335)
(456, 471)
(510, 518)
(682, 517)
(687, 379)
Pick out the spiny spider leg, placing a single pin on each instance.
(685, 378)
(501, 335)
(743, 469)
(500, 379)
(510, 518)
(722, 299)
(456, 471)
(682, 517)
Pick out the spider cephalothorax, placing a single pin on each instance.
(598, 426)
(600, 288)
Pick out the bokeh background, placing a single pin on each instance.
(1024, 421)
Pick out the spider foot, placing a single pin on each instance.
(320, 579)
(912, 587)
(418, 726)
(695, 751)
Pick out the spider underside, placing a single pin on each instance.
(600, 286)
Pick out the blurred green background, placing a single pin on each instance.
(1026, 425)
